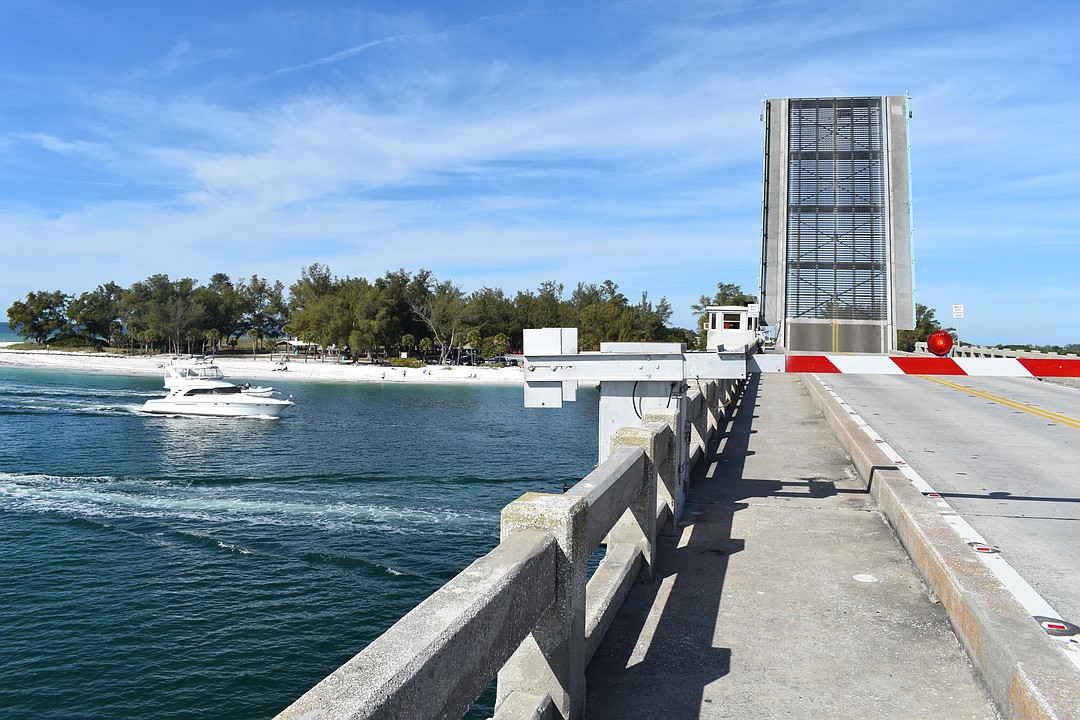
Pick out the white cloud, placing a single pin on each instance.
(57, 145)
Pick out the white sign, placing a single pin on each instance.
(957, 311)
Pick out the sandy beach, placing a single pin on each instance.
(246, 368)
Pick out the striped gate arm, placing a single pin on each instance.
(908, 365)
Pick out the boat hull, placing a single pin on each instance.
(252, 406)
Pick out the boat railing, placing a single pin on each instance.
(526, 611)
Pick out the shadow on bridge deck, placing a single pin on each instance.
(781, 593)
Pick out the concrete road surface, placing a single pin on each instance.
(1003, 452)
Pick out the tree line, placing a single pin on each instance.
(401, 311)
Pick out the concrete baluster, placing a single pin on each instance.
(637, 526)
(691, 408)
(701, 425)
(667, 486)
(551, 661)
(714, 402)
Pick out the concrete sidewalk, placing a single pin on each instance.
(782, 594)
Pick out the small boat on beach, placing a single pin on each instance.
(198, 387)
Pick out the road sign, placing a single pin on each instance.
(957, 311)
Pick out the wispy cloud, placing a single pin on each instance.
(341, 55)
(55, 144)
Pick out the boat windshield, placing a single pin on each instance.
(226, 390)
(205, 372)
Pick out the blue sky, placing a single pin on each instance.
(503, 144)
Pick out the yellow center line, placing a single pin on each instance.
(1056, 417)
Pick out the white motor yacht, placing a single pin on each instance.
(198, 387)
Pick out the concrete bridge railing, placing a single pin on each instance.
(526, 611)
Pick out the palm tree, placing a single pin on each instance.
(426, 346)
(213, 336)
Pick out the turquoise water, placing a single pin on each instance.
(6, 335)
(173, 567)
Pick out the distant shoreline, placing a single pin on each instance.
(262, 368)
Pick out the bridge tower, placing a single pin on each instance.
(836, 246)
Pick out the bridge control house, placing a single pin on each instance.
(731, 326)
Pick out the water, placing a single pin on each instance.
(171, 567)
(6, 335)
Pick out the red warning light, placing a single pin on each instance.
(940, 343)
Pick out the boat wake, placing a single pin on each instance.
(123, 500)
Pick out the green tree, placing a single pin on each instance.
(494, 346)
(263, 305)
(925, 323)
(368, 316)
(315, 307)
(96, 314)
(40, 316)
(603, 314)
(400, 320)
(138, 314)
(213, 339)
(471, 340)
(440, 305)
(183, 313)
(650, 321)
(489, 312)
(221, 308)
(426, 346)
(161, 310)
(544, 309)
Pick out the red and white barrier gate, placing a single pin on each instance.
(940, 343)
(916, 365)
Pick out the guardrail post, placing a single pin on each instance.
(697, 410)
(713, 406)
(551, 661)
(726, 392)
(668, 487)
(637, 526)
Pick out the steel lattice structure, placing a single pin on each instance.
(837, 233)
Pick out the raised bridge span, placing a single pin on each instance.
(847, 546)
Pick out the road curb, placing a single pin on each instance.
(1024, 672)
